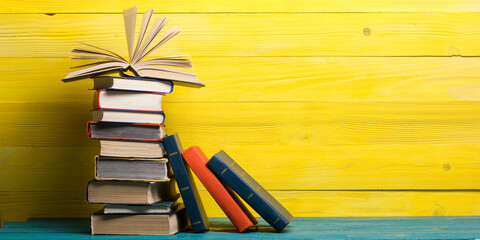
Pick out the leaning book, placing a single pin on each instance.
(249, 190)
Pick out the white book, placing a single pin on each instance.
(128, 100)
(156, 208)
(132, 84)
(107, 115)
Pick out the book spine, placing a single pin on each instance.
(86, 191)
(197, 160)
(129, 110)
(247, 193)
(96, 100)
(186, 184)
(138, 90)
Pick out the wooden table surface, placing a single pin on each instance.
(461, 227)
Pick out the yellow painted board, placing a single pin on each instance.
(270, 79)
(269, 34)
(52, 124)
(47, 168)
(214, 6)
(18, 206)
(275, 166)
(305, 124)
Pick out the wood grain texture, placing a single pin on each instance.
(270, 79)
(267, 34)
(276, 166)
(214, 6)
(438, 227)
(371, 228)
(18, 206)
(340, 108)
(294, 124)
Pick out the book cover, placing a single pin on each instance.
(163, 207)
(186, 184)
(127, 101)
(139, 224)
(129, 192)
(132, 149)
(125, 131)
(133, 84)
(197, 161)
(250, 190)
(132, 169)
(127, 116)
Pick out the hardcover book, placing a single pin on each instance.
(156, 208)
(129, 192)
(134, 169)
(140, 224)
(127, 100)
(125, 131)
(132, 84)
(186, 184)
(230, 204)
(101, 60)
(131, 149)
(127, 116)
(251, 191)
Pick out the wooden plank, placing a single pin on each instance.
(270, 79)
(47, 168)
(275, 166)
(214, 6)
(307, 124)
(18, 206)
(464, 227)
(296, 34)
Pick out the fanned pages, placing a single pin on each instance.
(103, 60)
(130, 20)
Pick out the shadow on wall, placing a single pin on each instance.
(46, 160)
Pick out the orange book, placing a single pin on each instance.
(229, 202)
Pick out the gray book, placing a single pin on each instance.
(136, 169)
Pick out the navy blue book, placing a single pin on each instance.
(246, 187)
(186, 184)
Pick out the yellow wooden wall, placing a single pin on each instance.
(339, 108)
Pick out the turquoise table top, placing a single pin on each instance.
(299, 228)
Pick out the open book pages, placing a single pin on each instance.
(104, 60)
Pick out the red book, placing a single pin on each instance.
(229, 202)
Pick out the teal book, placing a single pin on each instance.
(249, 190)
(186, 184)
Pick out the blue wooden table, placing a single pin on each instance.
(299, 228)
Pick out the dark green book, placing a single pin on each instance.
(251, 191)
(186, 184)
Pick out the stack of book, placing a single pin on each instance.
(132, 176)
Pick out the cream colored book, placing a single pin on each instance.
(140, 224)
(129, 192)
(131, 149)
(104, 60)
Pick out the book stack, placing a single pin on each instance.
(132, 176)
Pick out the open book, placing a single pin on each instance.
(161, 68)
